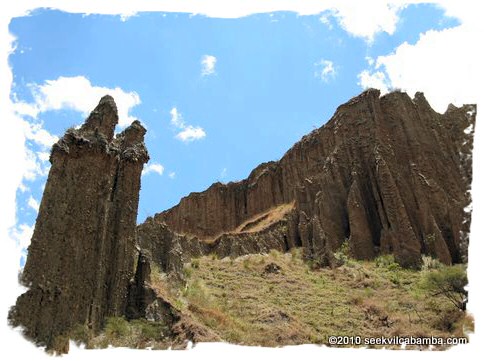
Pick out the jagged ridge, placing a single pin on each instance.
(387, 173)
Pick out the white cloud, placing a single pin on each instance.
(208, 65)
(153, 168)
(223, 173)
(367, 18)
(34, 166)
(125, 17)
(191, 133)
(172, 175)
(373, 80)
(22, 235)
(79, 94)
(325, 19)
(75, 93)
(187, 133)
(36, 133)
(446, 65)
(176, 118)
(33, 203)
(43, 156)
(23, 188)
(326, 70)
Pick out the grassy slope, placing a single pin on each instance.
(241, 303)
(245, 305)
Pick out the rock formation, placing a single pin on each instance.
(81, 258)
(388, 174)
(385, 174)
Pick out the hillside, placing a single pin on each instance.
(277, 299)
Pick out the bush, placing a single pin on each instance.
(187, 271)
(149, 330)
(387, 261)
(448, 320)
(297, 253)
(342, 255)
(81, 334)
(429, 243)
(429, 263)
(450, 282)
(247, 263)
(195, 263)
(116, 327)
(275, 254)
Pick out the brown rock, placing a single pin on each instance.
(143, 301)
(81, 256)
(361, 244)
(376, 174)
(272, 268)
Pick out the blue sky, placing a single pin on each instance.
(218, 96)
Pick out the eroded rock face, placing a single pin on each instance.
(170, 251)
(81, 257)
(388, 174)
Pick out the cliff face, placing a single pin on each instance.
(388, 174)
(81, 257)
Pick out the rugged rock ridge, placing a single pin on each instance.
(81, 258)
(389, 174)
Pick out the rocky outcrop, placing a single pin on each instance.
(170, 251)
(81, 258)
(143, 301)
(386, 173)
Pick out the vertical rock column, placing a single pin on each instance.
(81, 257)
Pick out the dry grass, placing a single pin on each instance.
(265, 219)
(259, 221)
(244, 304)
(119, 332)
(276, 299)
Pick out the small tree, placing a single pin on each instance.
(450, 282)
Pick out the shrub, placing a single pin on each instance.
(247, 263)
(395, 278)
(195, 263)
(447, 320)
(196, 293)
(80, 334)
(116, 327)
(297, 253)
(429, 263)
(387, 261)
(429, 242)
(187, 271)
(275, 254)
(342, 255)
(149, 330)
(450, 282)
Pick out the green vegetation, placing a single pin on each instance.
(244, 304)
(450, 282)
(120, 332)
(342, 255)
(278, 299)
